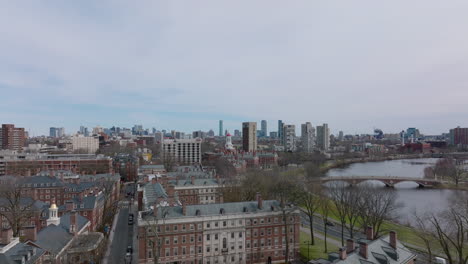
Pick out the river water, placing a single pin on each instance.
(412, 198)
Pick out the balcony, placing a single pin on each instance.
(224, 250)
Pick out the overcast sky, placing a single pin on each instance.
(356, 65)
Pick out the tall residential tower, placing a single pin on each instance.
(249, 136)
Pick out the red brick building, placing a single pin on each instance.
(12, 137)
(245, 232)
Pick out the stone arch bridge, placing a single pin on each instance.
(389, 181)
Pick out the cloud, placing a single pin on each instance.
(184, 65)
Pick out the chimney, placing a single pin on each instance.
(146, 179)
(7, 235)
(184, 209)
(170, 190)
(155, 210)
(350, 246)
(52, 173)
(221, 198)
(369, 233)
(73, 222)
(69, 205)
(343, 254)
(259, 201)
(193, 180)
(140, 200)
(393, 239)
(363, 249)
(153, 180)
(30, 233)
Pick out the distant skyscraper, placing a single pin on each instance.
(264, 128)
(323, 137)
(237, 133)
(289, 137)
(340, 136)
(280, 129)
(221, 128)
(308, 137)
(249, 136)
(273, 134)
(60, 132)
(53, 132)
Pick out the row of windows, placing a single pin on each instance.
(223, 223)
(261, 243)
(233, 235)
(267, 220)
(269, 231)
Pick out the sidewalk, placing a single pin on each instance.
(111, 237)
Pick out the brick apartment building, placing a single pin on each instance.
(12, 163)
(244, 232)
(459, 136)
(11, 137)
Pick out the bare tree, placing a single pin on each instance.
(18, 209)
(168, 161)
(451, 169)
(423, 231)
(325, 206)
(345, 200)
(376, 205)
(309, 199)
(154, 227)
(284, 190)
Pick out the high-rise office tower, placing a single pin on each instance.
(323, 137)
(52, 132)
(289, 137)
(308, 137)
(221, 131)
(280, 129)
(340, 136)
(12, 137)
(264, 128)
(249, 136)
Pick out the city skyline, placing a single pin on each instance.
(170, 66)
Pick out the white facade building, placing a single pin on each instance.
(89, 144)
(185, 151)
(289, 137)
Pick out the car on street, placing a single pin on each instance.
(328, 223)
(129, 250)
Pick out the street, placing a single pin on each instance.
(123, 233)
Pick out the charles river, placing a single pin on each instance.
(412, 197)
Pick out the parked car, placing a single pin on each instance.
(328, 223)
(130, 250)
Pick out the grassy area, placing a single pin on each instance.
(317, 250)
(405, 234)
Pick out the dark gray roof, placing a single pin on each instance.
(154, 167)
(54, 238)
(218, 209)
(153, 191)
(196, 182)
(380, 251)
(20, 250)
(88, 202)
(41, 181)
(26, 201)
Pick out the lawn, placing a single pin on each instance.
(317, 250)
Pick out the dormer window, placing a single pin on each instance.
(197, 213)
(222, 211)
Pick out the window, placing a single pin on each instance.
(208, 237)
(224, 243)
(192, 239)
(216, 236)
(167, 241)
(176, 227)
(167, 252)
(175, 240)
(224, 223)
(183, 239)
(207, 225)
(232, 235)
(208, 249)
(216, 224)
(240, 234)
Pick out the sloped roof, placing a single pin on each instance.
(54, 238)
(18, 251)
(218, 209)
